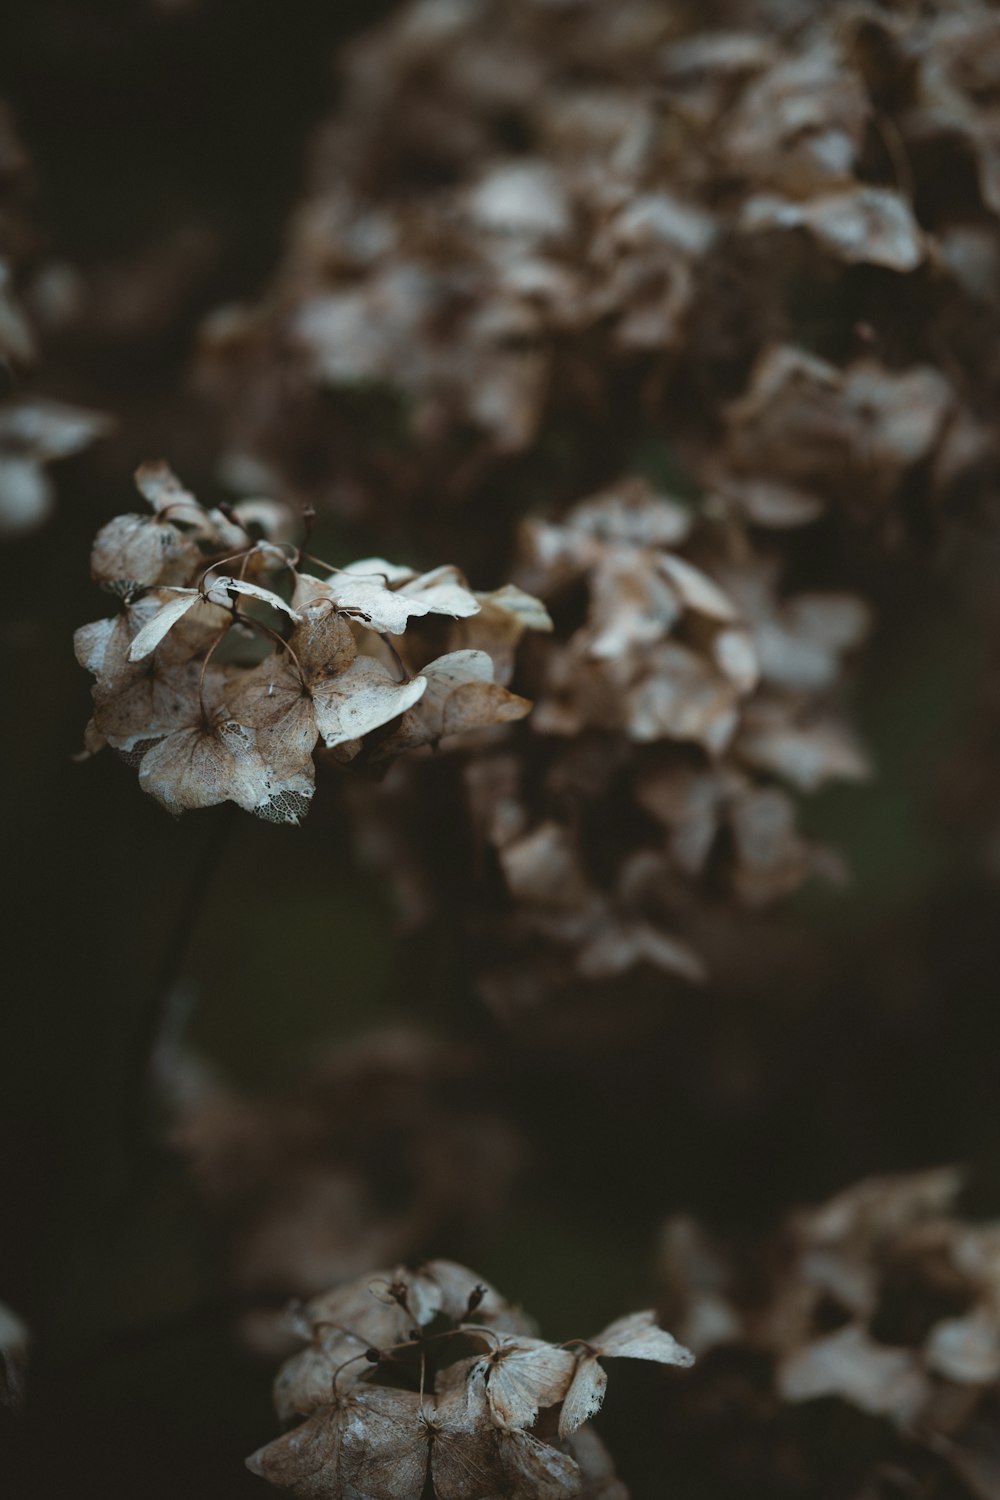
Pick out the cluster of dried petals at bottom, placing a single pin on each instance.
(885, 1298)
(183, 689)
(607, 198)
(302, 1200)
(428, 1377)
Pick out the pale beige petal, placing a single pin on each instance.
(585, 1396)
(536, 1471)
(378, 567)
(157, 483)
(863, 224)
(637, 1336)
(202, 766)
(360, 699)
(305, 1462)
(530, 612)
(90, 643)
(524, 1374)
(220, 588)
(147, 549)
(444, 591)
(696, 589)
(152, 633)
(879, 1379)
(465, 1457)
(323, 641)
(384, 1449)
(461, 696)
(374, 605)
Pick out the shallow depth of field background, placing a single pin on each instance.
(866, 1038)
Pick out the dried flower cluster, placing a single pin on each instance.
(684, 319)
(428, 1382)
(885, 1299)
(524, 213)
(389, 1146)
(560, 241)
(688, 690)
(183, 690)
(680, 703)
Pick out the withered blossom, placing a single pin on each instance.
(885, 1298)
(691, 333)
(683, 682)
(206, 725)
(524, 283)
(394, 1400)
(740, 282)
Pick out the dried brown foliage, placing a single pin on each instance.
(687, 324)
(182, 691)
(767, 255)
(780, 243)
(427, 1381)
(885, 1299)
(681, 703)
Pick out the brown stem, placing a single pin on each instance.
(407, 675)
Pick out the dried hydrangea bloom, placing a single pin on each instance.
(638, 247)
(645, 236)
(854, 436)
(684, 698)
(606, 201)
(180, 683)
(397, 1406)
(884, 1299)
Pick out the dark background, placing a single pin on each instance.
(850, 1033)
